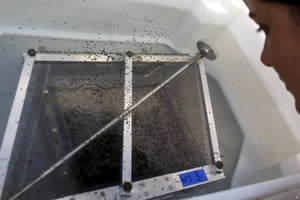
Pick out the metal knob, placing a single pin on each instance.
(127, 186)
(206, 50)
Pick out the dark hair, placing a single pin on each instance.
(288, 2)
(294, 6)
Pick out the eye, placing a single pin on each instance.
(263, 28)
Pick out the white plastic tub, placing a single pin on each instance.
(258, 126)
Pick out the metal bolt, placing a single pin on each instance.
(129, 54)
(206, 50)
(31, 52)
(127, 186)
(219, 164)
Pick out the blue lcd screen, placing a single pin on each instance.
(193, 177)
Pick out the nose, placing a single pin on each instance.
(265, 55)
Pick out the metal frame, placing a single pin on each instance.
(209, 113)
(110, 57)
(143, 189)
(13, 120)
(148, 188)
(127, 130)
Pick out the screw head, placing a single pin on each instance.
(219, 164)
(129, 54)
(31, 52)
(127, 186)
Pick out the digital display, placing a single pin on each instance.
(193, 177)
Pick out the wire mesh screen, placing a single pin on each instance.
(67, 103)
(169, 129)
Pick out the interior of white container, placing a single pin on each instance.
(255, 115)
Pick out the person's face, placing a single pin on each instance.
(282, 44)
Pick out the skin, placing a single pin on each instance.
(282, 44)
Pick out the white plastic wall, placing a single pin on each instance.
(262, 106)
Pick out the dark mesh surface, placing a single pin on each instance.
(68, 103)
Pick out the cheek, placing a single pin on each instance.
(279, 55)
(286, 61)
(284, 47)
